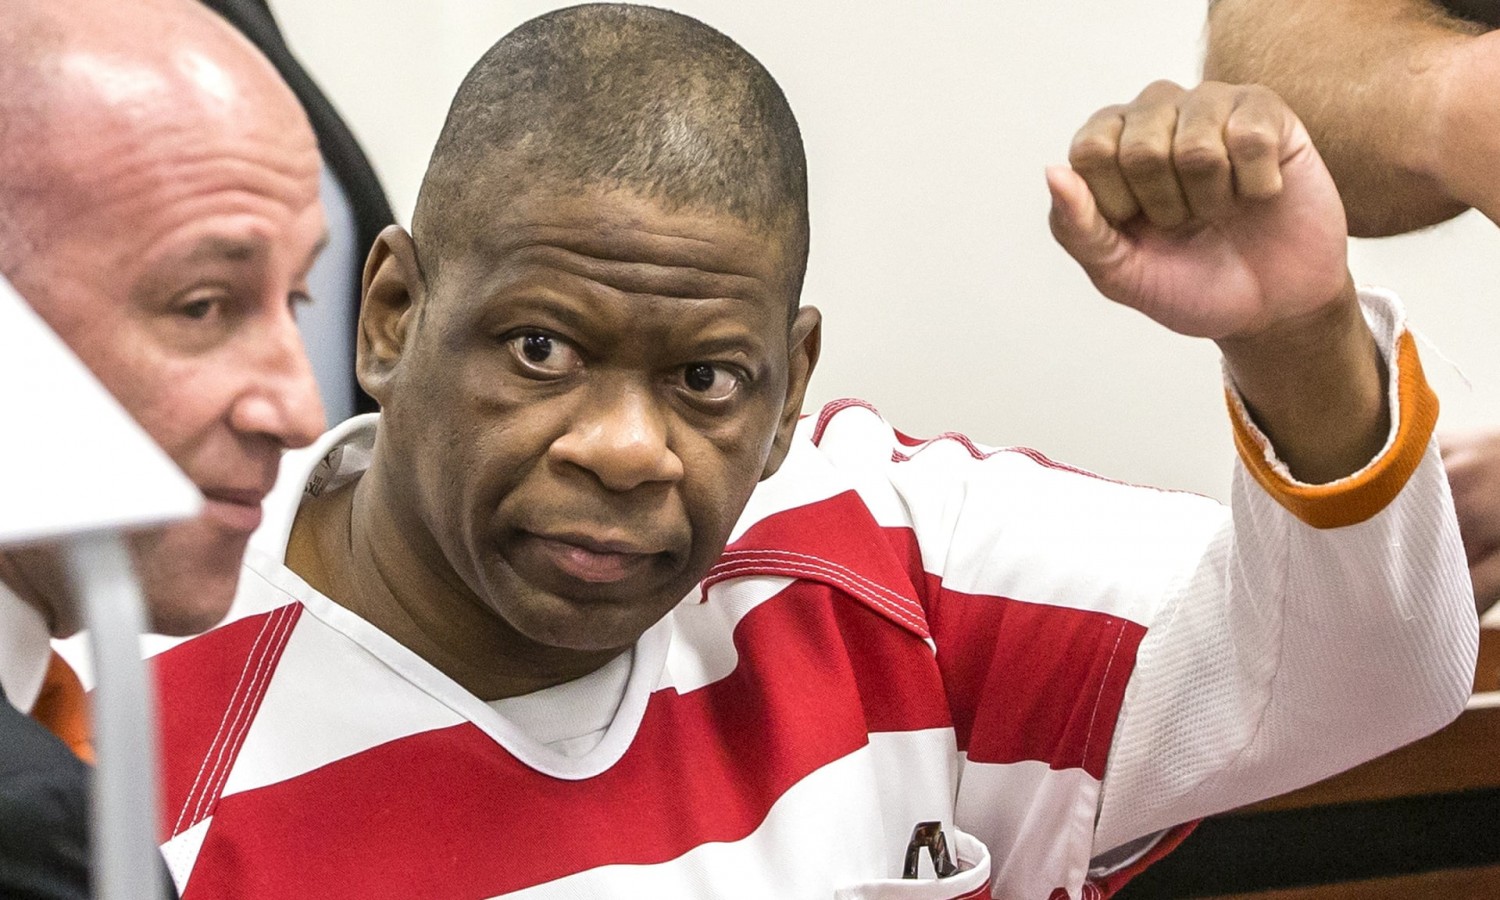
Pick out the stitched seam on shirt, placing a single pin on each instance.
(825, 416)
(228, 707)
(752, 556)
(232, 713)
(846, 578)
(1088, 740)
(249, 701)
(853, 588)
(192, 809)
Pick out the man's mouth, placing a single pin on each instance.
(233, 509)
(594, 559)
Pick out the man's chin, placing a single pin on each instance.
(189, 574)
(580, 627)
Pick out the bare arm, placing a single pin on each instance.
(1398, 96)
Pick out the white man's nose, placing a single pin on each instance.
(280, 397)
(621, 438)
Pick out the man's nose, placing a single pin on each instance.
(622, 436)
(280, 398)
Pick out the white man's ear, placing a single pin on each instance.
(806, 342)
(393, 292)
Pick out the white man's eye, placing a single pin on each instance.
(544, 353)
(709, 381)
(198, 309)
(298, 299)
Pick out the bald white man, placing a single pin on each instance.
(159, 209)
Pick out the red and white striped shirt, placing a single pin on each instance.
(1051, 664)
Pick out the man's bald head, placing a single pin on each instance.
(81, 79)
(159, 208)
(618, 96)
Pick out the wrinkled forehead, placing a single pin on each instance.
(115, 126)
(498, 223)
(108, 111)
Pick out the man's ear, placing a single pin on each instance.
(806, 342)
(394, 291)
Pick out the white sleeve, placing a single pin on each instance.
(1326, 625)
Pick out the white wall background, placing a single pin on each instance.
(927, 128)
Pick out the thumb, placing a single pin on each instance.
(1080, 227)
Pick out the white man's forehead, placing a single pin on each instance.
(116, 80)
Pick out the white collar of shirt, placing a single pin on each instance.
(570, 719)
(573, 717)
(25, 650)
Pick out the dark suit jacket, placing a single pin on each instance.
(341, 151)
(43, 806)
(44, 803)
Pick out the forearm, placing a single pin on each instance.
(1307, 616)
(1367, 78)
(1316, 389)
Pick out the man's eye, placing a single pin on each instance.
(199, 309)
(710, 382)
(544, 353)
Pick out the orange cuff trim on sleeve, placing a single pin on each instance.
(1352, 500)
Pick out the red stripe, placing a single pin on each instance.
(834, 545)
(1045, 683)
(1059, 705)
(447, 813)
(212, 687)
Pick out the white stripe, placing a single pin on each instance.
(702, 649)
(308, 701)
(1015, 528)
(845, 824)
(181, 852)
(804, 477)
(1037, 821)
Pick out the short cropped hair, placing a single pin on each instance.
(620, 96)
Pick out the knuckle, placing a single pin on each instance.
(1138, 158)
(1112, 113)
(1161, 89)
(1090, 151)
(1211, 91)
(1250, 140)
(1200, 157)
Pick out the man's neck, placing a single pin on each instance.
(354, 547)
